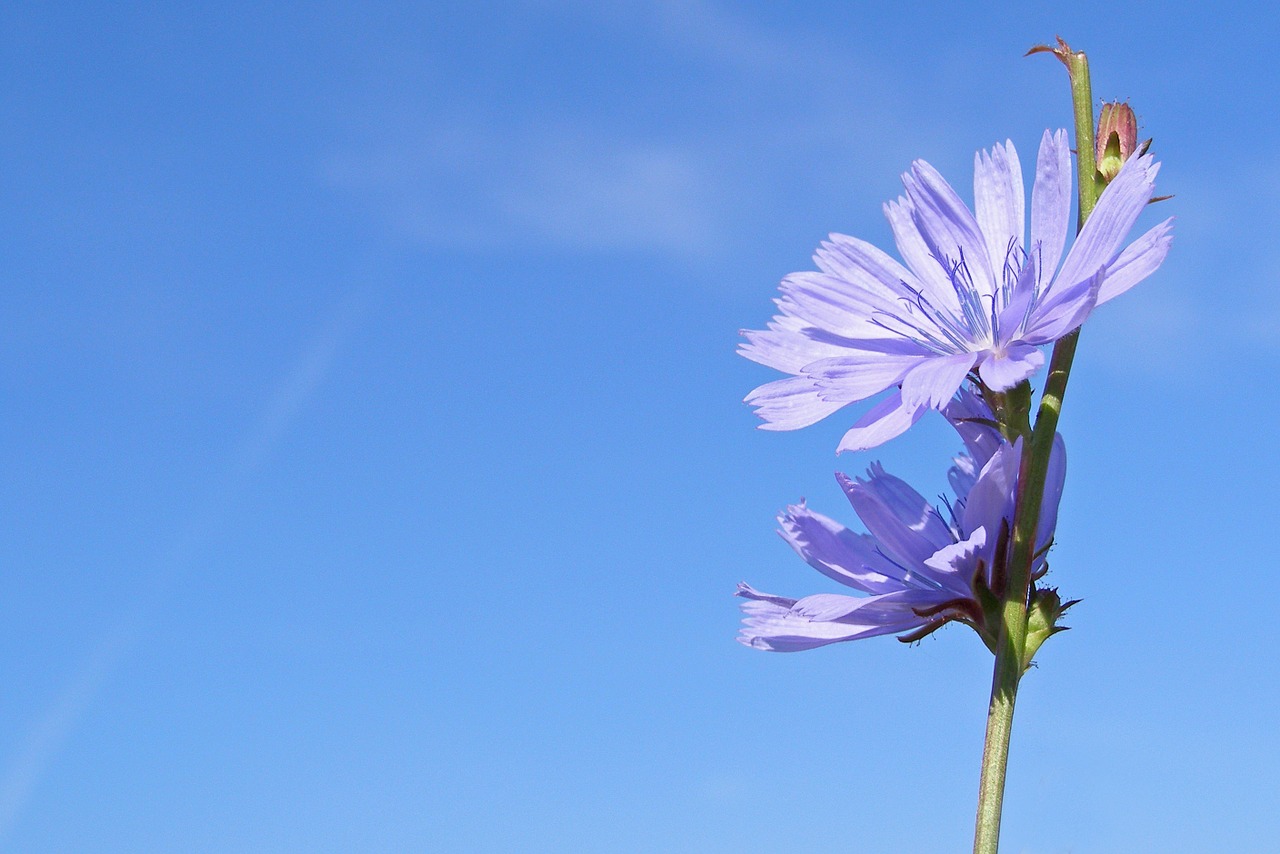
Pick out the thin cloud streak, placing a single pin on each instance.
(467, 185)
(49, 733)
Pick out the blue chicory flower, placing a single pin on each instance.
(919, 565)
(973, 295)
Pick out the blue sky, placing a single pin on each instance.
(378, 472)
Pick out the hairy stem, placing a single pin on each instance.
(1011, 656)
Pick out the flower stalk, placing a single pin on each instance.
(1012, 650)
(957, 327)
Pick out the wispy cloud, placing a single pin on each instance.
(488, 172)
(468, 185)
(719, 35)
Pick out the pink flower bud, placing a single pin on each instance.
(1117, 138)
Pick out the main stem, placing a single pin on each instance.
(1011, 648)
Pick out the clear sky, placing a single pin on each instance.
(376, 472)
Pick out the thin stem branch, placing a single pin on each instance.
(1033, 466)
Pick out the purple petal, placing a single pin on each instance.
(1011, 319)
(933, 278)
(902, 522)
(947, 225)
(890, 611)
(908, 512)
(999, 203)
(790, 404)
(776, 629)
(858, 374)
(1139, 260)
(958, 560)
(1063, 311)
(1018, 362)
(830, 303)
(866, 267)
(784, 347)
(962, 475)
(992, 497)
(890, 346)
(967, 405)
(1051, 202)
(746, 591)
(931, 383)
(837, 552)
(829, 607)
(981, 440)
(1109, 224)
(1055, 479)
(772, 627)
(887, 419)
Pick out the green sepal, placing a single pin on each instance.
(992, 613)
(1046, 610)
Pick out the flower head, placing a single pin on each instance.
(972, 296)
(920, 566)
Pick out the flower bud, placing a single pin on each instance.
(1046, 609)
(1117, 138)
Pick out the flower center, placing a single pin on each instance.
(976, 325)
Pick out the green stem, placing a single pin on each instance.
(1011, 661)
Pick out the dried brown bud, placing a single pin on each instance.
(1117, 138)
(1063, 51)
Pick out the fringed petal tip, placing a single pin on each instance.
(746, 591)
(790, 404)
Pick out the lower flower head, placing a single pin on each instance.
(918, 565)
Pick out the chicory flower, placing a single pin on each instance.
(920, 566)
(973, 298)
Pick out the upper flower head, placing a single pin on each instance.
(972, 295)
(921, 566)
